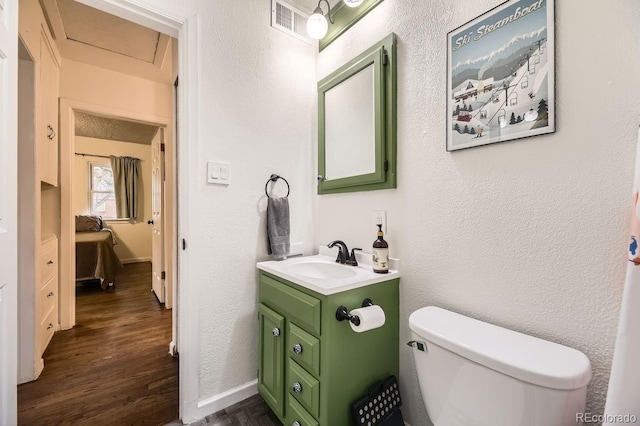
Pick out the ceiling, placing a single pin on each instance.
(93, 27)
(93, 126)
(88, 35)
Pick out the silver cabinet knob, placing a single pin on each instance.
(296, 423)
(297, 349)
(297, 387)
(276, 332)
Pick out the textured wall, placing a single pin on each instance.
(528, 234)
(256, 113)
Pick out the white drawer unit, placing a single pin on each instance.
(39, 201)
(46, 295)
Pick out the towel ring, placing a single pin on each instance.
(274, 178)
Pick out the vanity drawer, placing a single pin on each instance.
(297, 413)
(48, 260)
(304, 388)
(304, 349)
(298, 307)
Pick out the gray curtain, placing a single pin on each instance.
(126, 181)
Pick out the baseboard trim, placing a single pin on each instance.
(226, 399)
(135, 260)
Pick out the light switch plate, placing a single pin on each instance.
(218, 172)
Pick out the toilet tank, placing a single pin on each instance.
(475, 373)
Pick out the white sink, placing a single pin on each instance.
(323, 275)
(320, 269)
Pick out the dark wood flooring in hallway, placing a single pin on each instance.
(113, 367)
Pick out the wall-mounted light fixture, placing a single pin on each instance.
(353, 3)
(317, 24)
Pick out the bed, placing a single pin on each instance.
(95, 257)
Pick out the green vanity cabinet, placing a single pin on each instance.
(271, 368)
(314, 367)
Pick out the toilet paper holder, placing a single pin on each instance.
(343, 314)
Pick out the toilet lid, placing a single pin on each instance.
(518, 355)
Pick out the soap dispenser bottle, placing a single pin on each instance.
(380, 254)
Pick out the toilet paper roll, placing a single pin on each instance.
(370, 317)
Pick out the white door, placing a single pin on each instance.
(157, 191)
(8, 210)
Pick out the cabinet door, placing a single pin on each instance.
(48, 103)
(271, 361)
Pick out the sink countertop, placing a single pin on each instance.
(363, 273)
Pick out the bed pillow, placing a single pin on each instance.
(88, 223)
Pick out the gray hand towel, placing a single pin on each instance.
(278, 226)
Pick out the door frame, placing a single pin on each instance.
(8, 210)
(159, 255)
(185, 314)
(68, 108)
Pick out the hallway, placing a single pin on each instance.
(113, 367)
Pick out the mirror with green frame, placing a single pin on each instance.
(357, 123)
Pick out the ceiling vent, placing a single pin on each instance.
(290, 20)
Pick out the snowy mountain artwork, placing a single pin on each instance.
(500, 71)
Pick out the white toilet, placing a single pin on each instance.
(472, 373)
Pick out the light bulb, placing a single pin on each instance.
(317, 25)
(530, 115)
(353, 3)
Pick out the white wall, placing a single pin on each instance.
(529, 234)
(255, 112)
(134, 238)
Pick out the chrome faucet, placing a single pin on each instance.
(343, 251)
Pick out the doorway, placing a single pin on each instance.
(70, 109)
(64, 212)
(99, 142)
(185, 29)
(150, 238)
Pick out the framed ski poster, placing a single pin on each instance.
(501, 75)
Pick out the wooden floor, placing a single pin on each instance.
(113, 367)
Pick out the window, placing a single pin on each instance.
(102, 196)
